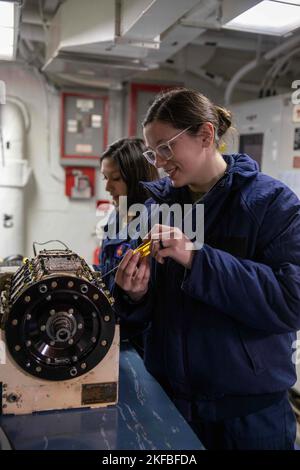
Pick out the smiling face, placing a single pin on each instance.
(190, 153)
(115, 185)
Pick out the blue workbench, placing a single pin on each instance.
(144, 418)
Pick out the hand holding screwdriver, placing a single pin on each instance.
(134, 272)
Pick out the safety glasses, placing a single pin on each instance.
(164, 150)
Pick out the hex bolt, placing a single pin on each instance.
(71, 311)
(94, 315)
(43, 327)
(74, 358)
(71, 341)
(27, 298)
(28, 343)
(54, 284)
(80, 326)
(28, 365)
(83, 365)
(38, 369)
(96, 296)
(28, 316)
(103, 342)
(52, 312)
(49, 297)
(106, 318)
(14, 322)
(48, 360)
(75, 297)
(93, 339)
(70, 284)
(17, 347)
(52, 343)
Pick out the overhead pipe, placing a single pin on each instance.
(254, 63)
(14, 176)
(23, 108)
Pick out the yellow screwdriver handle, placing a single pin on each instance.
(143, 249)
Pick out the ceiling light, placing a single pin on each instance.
(268, 17)
(6, 36)
(294, 2)
(9, 24)
(7, 14)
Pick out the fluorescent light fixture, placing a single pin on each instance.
(7, 14)
(268, 17)
(9, 22)
(6, 36)
(294, 2)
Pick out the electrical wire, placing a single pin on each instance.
(278, 68)
(46, 243)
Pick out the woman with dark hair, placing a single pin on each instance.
(222, 316)
(123, 167)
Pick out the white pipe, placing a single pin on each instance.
(12, 229)
(217, 79)
(22, 106)
(220, 81)
(236, 78)
(272, 73)
(14, 175)
(294, 41)
(254, 63)
(283, 61)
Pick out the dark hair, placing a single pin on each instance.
(182, 108)
(127, 153)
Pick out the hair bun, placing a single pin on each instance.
(225, 120)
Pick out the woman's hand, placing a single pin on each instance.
(171, 242)
(133, 275)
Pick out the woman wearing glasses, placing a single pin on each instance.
(222, 317)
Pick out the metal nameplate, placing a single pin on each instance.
(98, 393)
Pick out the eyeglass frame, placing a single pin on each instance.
(167, 143)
